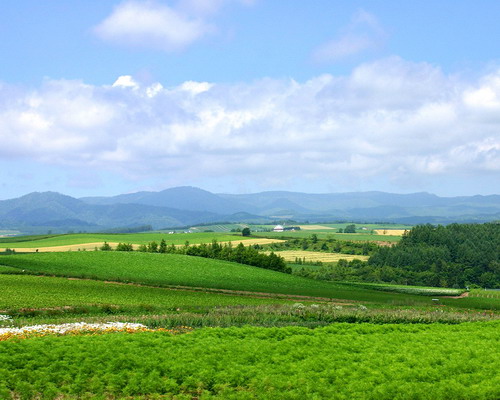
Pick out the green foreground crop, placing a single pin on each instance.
(341, 361)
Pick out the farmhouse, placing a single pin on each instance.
(281, 228)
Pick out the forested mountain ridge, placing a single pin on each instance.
(184, 206)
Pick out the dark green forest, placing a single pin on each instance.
(455, 255)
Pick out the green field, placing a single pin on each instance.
(341, 361)
(259, 334)
(179, 270)
(369, 226)
(327, 234)
(38, 292)
(136, 238)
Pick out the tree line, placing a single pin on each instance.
(328, 245)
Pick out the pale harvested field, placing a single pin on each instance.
(291, 255)
(92, 246)
(391, 232)
(314, 227)
(250, 242)
(69, 247)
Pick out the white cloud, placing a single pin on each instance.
(150, 24)
(390, 119)
(196, 87)
(363, 33)
(126, 81)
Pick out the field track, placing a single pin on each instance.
(92, 246)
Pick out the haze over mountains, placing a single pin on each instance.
(183, 206)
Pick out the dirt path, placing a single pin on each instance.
(464, 294)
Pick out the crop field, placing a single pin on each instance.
(315, 227)
(178, 270)
(99, 238)
(368, 226)
(341, 361)
(421, 290)
(218, 227)
(326, 234)
(314, 256)
(391, 232)
(485, 294)
(39, 292)
(182, 327)
(113, 245)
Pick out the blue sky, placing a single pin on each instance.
(106, 97)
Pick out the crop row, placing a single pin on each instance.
(172, 269)
(341, 361)
(27, 295)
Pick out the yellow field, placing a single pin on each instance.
(291, 255)
(314, 227)
(391, 232)
(92, 246)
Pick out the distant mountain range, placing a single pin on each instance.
(184, 206)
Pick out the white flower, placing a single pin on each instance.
(70, 327)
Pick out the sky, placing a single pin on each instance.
(103, 97)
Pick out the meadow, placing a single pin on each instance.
(341, 361)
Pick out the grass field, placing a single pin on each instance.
(341, 361)
(314, 256)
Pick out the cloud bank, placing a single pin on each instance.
(391, 118)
